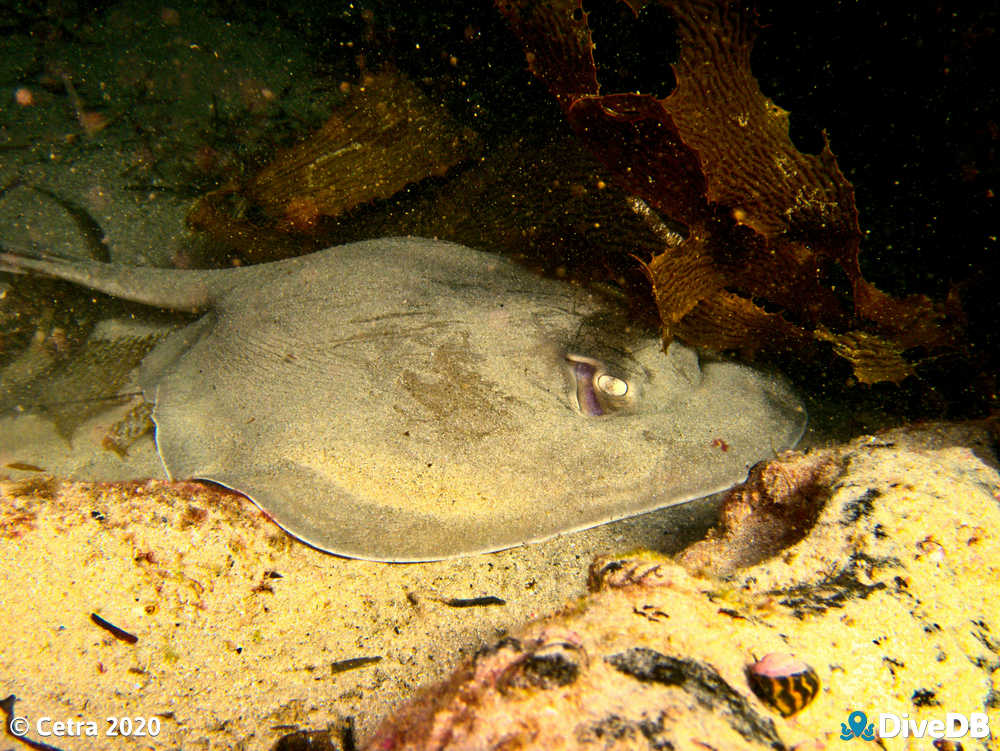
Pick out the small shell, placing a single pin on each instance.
(784, 682)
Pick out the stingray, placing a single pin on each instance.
(406, 399)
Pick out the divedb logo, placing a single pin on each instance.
(891, 725)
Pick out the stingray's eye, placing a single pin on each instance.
(598, 392)
(610, 385)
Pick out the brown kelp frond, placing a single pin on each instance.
(770, 254)
(385, 136)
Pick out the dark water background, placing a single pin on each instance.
(907, 95)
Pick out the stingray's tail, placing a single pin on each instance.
(176, 289)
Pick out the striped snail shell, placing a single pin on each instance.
(784, 682)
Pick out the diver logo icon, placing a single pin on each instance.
(857, 726)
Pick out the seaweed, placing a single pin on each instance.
(769, 258)
(385, 136)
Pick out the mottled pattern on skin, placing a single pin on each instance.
(406, 399)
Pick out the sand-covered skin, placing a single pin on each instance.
(407, 399)
(891, 598)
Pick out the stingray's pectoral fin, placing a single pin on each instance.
(321, 515)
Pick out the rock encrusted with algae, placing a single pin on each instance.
(891, 597)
